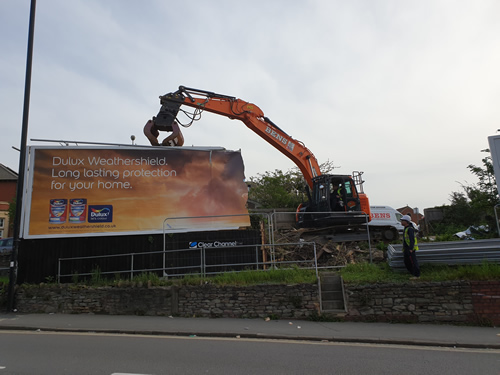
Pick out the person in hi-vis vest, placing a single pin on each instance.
(410, 246)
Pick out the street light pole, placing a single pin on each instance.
(22, 161)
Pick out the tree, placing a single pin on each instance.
(483, 195)
(475, 205)
(277, 189)
(12, 212)
(281, 190)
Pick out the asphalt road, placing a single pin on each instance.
(78, 353)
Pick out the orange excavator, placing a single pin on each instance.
(333, 200)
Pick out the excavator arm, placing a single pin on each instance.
(251, 115)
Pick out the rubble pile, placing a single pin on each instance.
(294, 245)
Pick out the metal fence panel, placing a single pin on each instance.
(451, 253)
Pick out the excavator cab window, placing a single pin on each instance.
(352, 199)
(322, 193)
(348, 189)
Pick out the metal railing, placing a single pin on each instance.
(203, 267)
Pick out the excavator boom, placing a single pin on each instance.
(250, 114)
(325, 196)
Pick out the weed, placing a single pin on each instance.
(315, 317)
(147, 278)
(96, 278)
(50, 279)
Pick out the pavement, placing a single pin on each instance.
(353, 332)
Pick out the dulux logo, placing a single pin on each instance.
(100, 214)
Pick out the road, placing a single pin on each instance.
(40, 353)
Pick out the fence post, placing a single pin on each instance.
(131, 266)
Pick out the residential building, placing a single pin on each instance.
(8, 188)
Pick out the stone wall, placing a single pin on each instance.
(69, 299)
(411, 302)
(423, 302)
(476, 302)
(278, 301)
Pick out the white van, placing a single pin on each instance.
(386, 221)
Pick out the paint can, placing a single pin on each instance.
(58, 211)
(77, 210)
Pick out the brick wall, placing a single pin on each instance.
(486, 301)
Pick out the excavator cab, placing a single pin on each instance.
(333, 201)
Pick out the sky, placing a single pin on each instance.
(405, 91)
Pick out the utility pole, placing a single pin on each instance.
(22, 162)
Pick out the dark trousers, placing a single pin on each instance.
(411, 262)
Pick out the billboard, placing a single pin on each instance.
(94, 191)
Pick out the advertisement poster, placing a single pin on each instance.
(89, 191)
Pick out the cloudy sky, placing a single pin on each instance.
(405, 91)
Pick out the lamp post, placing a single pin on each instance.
(22, 161)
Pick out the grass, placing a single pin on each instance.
(272, 276)
(360, 273)
(249, 277)
(366, 273)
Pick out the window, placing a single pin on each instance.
(2, 222)
(348, 190)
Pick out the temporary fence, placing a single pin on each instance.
(200, 261)
(448, 253)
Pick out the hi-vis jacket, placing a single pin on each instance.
(409, 239)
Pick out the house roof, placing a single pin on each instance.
(7, 174)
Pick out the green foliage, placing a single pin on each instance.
(96, 278)
(277, 189)
(281, 189)
(12, 212)
(148, 278)
(449, 235)
(272, 276)
(474, 205)
(484, 271)
(366, 273)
